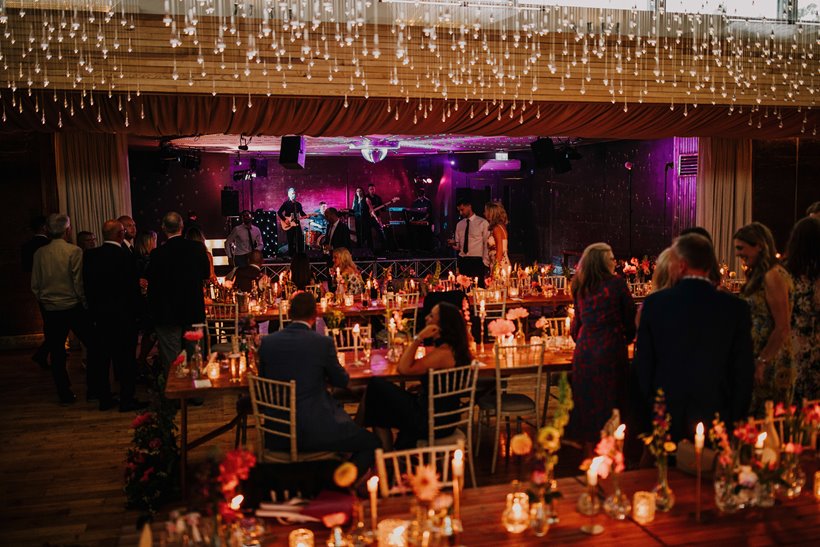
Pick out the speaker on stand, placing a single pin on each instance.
(230, 202)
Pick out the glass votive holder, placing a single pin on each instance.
(643, 507)
(392, 532)
(323, 304)
(213, 370)
(516, 516)
(817, 485)
(348, 300)
(513, 292)
(233, 363)
(341, 357)
(301, 537)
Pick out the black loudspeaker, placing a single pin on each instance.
(292, 152)
(260, 167)
(230, 202)
(562, 163)
(544, 153)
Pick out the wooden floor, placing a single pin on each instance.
(61, 468)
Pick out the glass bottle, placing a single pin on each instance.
(664, 497)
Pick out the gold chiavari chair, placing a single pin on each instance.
(345, 339)
(393, 467)
(222, 324)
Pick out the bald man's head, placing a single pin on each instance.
(113, 230)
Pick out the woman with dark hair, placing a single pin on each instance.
(803, 262)
(300, 274)
(603, 327)
(361, 212)
(145, 242)
(769, 291)
(195, 234)
(387, 406)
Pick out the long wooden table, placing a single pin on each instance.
(184, 389)
(794, 522)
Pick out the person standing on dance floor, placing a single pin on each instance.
(364, 221)
(290, 214)
(243, 239)
(497, 242)
(472, 233)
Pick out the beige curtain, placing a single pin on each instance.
(724, 192)
(92, 178)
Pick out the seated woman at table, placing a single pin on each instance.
(387, 406)
(347, 270)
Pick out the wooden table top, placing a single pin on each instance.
(379, 366)
(788, 522)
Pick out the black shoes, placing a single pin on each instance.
(67, 398)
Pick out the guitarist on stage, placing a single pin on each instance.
(243, 239)
(290, 213)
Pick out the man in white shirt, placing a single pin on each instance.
(472, 232)
(130, 233)
(243, 239)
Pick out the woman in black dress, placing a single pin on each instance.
(387, 406)
(361, 212)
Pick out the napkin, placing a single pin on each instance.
(329, 502)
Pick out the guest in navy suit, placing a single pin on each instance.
(300, 353)
(338, 234)
(694, 342)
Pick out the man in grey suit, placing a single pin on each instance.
(300, 353)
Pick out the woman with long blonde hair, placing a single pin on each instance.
(348, 271)
(603, 327)
(497, 242)
(769, 290)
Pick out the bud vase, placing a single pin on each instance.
(617, 505)
(664, 497)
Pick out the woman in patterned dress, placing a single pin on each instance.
(497, 242)
(769, 291)
(603, 327)
(352, 278)
(803, 262)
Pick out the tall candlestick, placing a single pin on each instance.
(458, 474)
(372, 488)
(356, 331)
(699, 439)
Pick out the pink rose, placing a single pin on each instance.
(517, 313)
(501, 327)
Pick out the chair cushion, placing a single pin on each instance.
(284, 457)
(510, 403)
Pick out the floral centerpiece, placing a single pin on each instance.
(543, 489)
(463, 281)
(151, 462)
(517, 314)
(334, 319)
(661, 447)
(501, 329)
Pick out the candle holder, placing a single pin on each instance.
(301, 537)
(617, 505)
(233, 361)
(643, 507)
(593, 508)
(516, 515)
(392, 533)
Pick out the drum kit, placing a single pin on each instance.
(314, 236)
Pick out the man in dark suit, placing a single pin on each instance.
(175, 275)
(694, 342)
(112, 292)
(299, 353)
(39, 239)
(338, 234)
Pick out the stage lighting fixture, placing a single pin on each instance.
(374, 154)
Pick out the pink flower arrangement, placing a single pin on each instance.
(179, 360)
(501, 327)
(463, 281)
(517, 313)
(746, 433)
(234, 468)
(193, 335)
(541, 323)
(629, 269)
(721, 441)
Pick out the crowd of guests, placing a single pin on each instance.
(709, 351)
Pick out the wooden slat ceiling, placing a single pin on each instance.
(566, 67)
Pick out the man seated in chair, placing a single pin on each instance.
(244, 276)
(299, 353)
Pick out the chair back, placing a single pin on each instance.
(640, 288)
(558, 282)
(274, 411)
(405, 304)
(458, 383)
(345, 339)
(316, 290)
(222, 323)
(528, 383)
(394, 467)
(556, 326)
(494, 308)
(284, 313)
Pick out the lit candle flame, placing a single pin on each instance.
(620, 433)
(699, 429)
(760, 440)
(236, 502)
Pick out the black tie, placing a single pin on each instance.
(250, 239)
(466, 236)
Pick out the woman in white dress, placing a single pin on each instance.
(497, 242)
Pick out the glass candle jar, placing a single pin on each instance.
(301, 537)
(516, 516)
(643, 507)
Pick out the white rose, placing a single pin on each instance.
(747, 478)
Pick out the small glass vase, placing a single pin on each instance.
(726, 499)
(539, 517)
(617, 505)
(664, 497)
(794, 478)
(552, 495)
(196, 362)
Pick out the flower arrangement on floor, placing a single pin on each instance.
(151, 462)
(543, 487)
(661, 447)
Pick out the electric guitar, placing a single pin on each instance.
(375, 210)
(290, 222)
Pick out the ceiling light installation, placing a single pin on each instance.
(374, 150)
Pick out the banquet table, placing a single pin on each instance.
(794, 521)
(185, 388)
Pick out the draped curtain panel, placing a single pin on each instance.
(92, 178)
(190, 115)
(724, 192)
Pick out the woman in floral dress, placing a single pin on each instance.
(603, 327)
(769, 291)
(497, 242)
(352, 278)
(803, 262)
